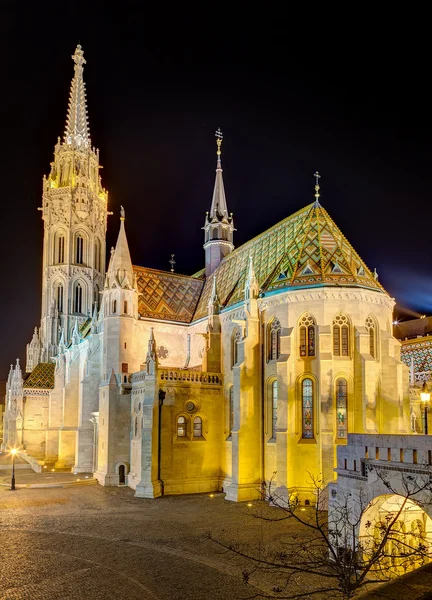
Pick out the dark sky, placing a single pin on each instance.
(291, 94)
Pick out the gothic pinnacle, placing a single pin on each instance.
(77, 129)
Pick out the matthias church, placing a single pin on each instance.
(260, 363)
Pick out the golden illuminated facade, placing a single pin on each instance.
(262, 362)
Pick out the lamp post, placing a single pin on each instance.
(425, 396)
(13, 452)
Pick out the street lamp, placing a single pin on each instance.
(13, 452)
(425, 396)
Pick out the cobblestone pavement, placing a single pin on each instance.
(92, 542)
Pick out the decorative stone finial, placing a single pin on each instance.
(122, 213)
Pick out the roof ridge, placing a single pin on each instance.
(170, 273)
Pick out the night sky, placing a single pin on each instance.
(291, 97)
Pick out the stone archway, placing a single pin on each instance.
(408, 543)
(122, 474)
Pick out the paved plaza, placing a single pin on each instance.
(83, 541)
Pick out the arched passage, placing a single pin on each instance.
(401, 529)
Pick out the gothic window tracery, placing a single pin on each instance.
(79, 250)
(60, 297)
(342, 407)
(274, 395)
(307, 336)
(61, 249)
(341, 335)
(370, 326)
(78, 294)
(236, 339)
(307, 408)
(274, 332)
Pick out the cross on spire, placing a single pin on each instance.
(172, 262)
(219, 138)
(317, 186)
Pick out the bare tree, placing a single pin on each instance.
(328, 556)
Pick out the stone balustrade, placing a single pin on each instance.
(411, 453)
(181, 376)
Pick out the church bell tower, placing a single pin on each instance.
(74, 211)
(218, 226)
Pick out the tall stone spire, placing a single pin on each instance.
(218, 226)
(77, 129)
(120, 270)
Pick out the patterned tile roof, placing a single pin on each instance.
(42, 377)
(304, 250)
(165, 295)
(420, 352)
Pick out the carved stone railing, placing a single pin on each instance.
(183, 376)
(138, 377)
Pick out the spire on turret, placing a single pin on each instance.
(61, 344)
(77, 128)
(213, 303)
(218, 206)
(151, 358)
(120, 269)
(251, 285)
(218, 226)
(75, 333)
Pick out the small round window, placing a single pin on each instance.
(190, 406)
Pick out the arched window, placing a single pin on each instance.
(79, 250)
(197, 431)
(231, 409)
(114, 306)
(341, 407)
(78, 298)
(60, 297)
(181, 427)
(136, 426)
(97, 255)
(61, 249)
(370, 326)
(236, 339)
(341, 335)
(307, 408)
(274, 394)
(307, 336)
(125, 307)
(274, 340)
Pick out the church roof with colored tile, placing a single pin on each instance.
(167, 296)
(418, 353)
(304, 250)
(42, 377)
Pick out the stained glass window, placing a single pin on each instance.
(341, 336)
(307, 336)
(307, 409)
(197, 427)
(231, 409)
(370, 326)
(274, 340)
(341, 408)
(274, 407)
(181, 427)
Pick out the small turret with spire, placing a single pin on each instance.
(219, 225)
